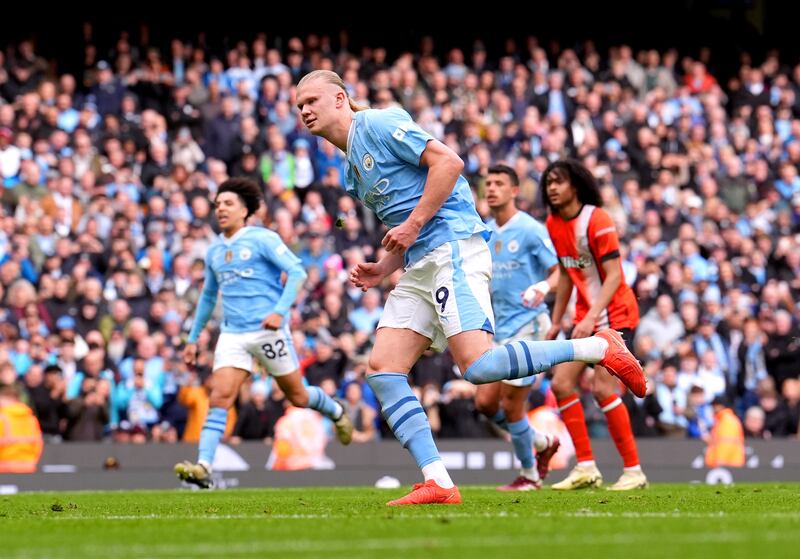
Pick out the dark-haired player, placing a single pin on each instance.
(245, 264)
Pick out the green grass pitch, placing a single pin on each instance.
(684, 521)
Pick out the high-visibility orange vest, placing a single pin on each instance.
(20, 439)
(300, 440)
(195, 400)
(727, 441)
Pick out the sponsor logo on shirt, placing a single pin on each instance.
(584, 261)
(375, 198)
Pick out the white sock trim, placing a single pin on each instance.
(572, 403)
(637, 468)
(529, 473)
(587, 464)
(437, 472)
(589, 350)
(541, 441)
(611, 406)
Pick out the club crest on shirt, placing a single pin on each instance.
(228, 255)
(245, 254)
(368, 162)
(513, 246)
(498, 246)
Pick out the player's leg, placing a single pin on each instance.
(585, 473)
(224, 389)
(512, 401)
(232, 365)
(395, 352)
(407, 328)
(314, 397)
(275, 351)
(482, 363)
(514, 397)
(487, 402)
(462, 300)
(605, 388)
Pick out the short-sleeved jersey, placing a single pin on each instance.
(383, 171)
(582, 244)
(521, 256)
(247, 270)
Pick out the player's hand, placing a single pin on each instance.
(553, 333)
(535, 294)
(190, 354)
(366, 275)
(532, 298)
(584, 328)
(272, 322)
(398, 239)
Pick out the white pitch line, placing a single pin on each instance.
(322, 546)
(443, 514)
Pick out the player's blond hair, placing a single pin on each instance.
(332, 78)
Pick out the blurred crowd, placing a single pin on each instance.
(108, 175)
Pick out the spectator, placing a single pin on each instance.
(88, 413)
(257, 419)
(20, 435)
(672, 400)
(362, 415)
(107, 185)
(783, 350)
(366, 316)
(46, 389)
(726, 439)
(459, 416)
(663, 325)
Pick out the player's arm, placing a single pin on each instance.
(544, 254)
(280, 255)
(563, 292)
(535, 294)
(205, 306)
(412, 145)
(369, 274)
(444, 167)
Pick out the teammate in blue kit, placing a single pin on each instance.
(245, 264)
(524, 270)
(413, 184)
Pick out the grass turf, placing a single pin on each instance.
(685, 521)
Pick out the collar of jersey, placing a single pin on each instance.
(236, 235)
(351, 133)
(507, 223)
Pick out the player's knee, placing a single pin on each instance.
(514, 409)
(482, 370)
(600, 393)
(374, 363)
(486, 406)
(298, 398)
(379, 364)
(562, 386)
(222, 397)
